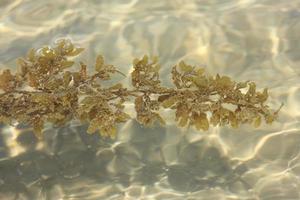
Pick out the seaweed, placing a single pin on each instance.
(47, 89)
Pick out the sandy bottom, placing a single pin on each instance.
(244, 39)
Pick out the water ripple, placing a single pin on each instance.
(245, 39)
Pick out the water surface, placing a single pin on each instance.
(244, 39)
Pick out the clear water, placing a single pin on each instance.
(245, 39)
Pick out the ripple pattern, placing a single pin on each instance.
(245, 39)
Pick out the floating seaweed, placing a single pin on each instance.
(45, 90)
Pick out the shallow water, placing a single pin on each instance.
(245, 39)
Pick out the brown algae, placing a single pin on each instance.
(43, 90)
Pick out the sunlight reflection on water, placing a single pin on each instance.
(245, 39)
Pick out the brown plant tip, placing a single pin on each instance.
(45, 90)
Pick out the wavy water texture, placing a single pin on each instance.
(244, 39)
